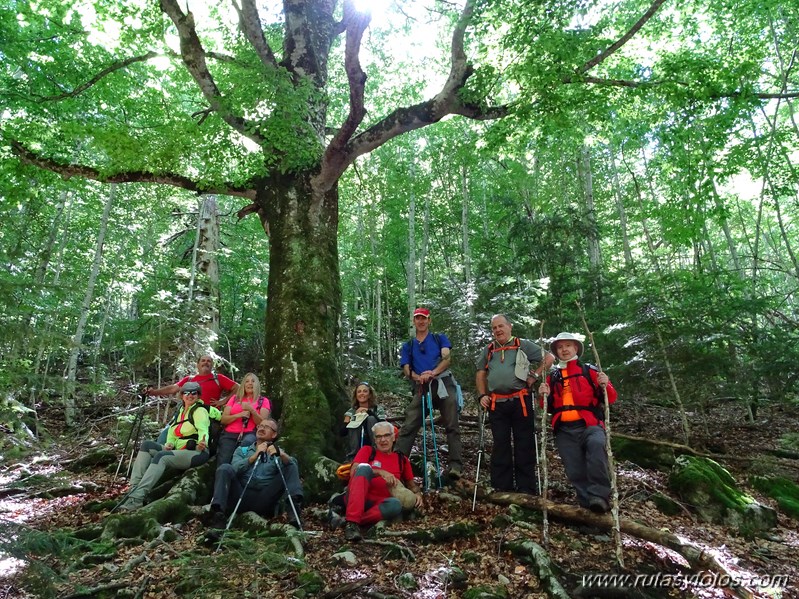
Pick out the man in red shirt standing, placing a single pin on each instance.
(213, 385)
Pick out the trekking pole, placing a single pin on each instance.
(614, 490)
(535, 443)
(480, 450)
(135, 425)
(425, 477)
(288, 493)
(433, 433)
(238, 503)
(543, 462)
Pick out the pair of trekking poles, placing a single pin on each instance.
(427, 412)
(133, 434)
(262, 458)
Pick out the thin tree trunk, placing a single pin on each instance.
(725, 227)
(617, 193)
(411, 272)
(77, 339)
(379, 319)
(590, 209)
(467, 257)
(425, 245)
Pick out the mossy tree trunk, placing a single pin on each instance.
(301, 371)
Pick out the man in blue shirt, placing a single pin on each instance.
(425, 360)
(258, 465)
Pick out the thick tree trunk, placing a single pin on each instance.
(302, 375)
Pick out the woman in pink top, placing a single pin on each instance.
(243, 412)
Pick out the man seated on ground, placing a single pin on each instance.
(185, 447)
(255, 472)
(381, 484)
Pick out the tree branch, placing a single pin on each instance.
(355, 24)
(402, 120)
(112, 68)
(67, 171)
(623, 39)
(250, 23)
(636, 84)
(194, 55)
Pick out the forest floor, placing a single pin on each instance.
(396, 565)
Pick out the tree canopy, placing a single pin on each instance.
(638, 157)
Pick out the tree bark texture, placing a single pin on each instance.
(302, 374)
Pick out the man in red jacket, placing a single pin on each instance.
(575, 398)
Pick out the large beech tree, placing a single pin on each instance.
(256, 111)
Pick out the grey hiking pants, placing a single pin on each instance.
(582, 450)
(151, 463)
(448, 406)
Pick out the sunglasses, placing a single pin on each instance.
(191, 393)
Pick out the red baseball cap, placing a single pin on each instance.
(422, 312)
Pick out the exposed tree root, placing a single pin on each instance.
(543, 566)
(394, 550)
(145, 523)
(458, 530)
(346, 590)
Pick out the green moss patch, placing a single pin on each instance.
(784, 491)
(643, 453)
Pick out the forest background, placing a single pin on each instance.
(515, 157)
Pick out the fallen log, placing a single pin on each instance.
(698, 559)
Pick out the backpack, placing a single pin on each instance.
(556, 377)
(517, 345)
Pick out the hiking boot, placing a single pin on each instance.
(455, 472)
(598, 505)
(335, 520)
(218, 520)
(352, 532)
(130, 504)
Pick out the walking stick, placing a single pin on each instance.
(288, 493)
(135, 426)
(543, 462)
(238, 503)
(479, 455)
(433, 433)
(613, 487)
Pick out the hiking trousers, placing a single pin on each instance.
(582, 451)
(513, 455)
(448, 406)
(364, 509)
(151, 462)
(228, 487)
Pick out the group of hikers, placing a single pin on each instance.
(254, 474)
